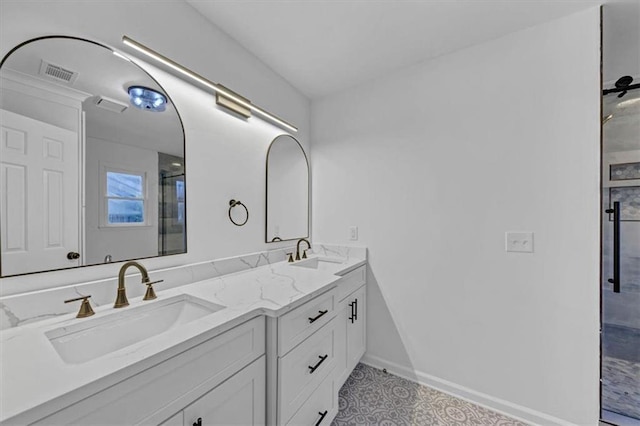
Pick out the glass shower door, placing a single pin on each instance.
(620, 392)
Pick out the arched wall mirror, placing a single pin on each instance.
(287, 190)
(92, 159)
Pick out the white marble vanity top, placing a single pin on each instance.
(35, 381)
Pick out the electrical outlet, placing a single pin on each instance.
(521, 242)
(353, 233)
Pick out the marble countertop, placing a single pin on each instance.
(36, 382)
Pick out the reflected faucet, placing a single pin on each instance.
(304, 254)
(121, 297)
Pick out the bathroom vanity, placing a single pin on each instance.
(250, 340)
(269, 345)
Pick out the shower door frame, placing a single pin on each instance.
(601, 280)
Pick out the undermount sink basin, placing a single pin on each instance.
(321, 263)
(92, 338)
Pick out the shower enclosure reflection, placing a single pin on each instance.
(621, 253)
(172, 227)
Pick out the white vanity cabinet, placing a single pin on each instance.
(356, 331)
(275, 370)
(211, 379)
(351, 320)
(238, 401)
(318, 345)
(302, 374)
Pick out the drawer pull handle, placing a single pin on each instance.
(321, 313)
(322, 415)
(355, 315)
(354, 311)
(198, 422)
(315, 367)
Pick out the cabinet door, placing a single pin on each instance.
(356, 327)
(343, 322)
(238, 401)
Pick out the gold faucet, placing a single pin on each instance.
(304, 254)
(121, 297)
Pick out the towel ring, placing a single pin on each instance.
(234, 203)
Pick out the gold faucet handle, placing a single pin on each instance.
(150, 294)
(290, 257)
(85, 307)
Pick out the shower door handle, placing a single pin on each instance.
(616, 246)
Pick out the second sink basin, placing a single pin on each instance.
(93, 338)
(321, 263)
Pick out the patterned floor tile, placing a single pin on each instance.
(372, 397)
(621, 386)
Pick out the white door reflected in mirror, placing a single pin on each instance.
(40, 208)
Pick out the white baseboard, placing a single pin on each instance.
(498, 405)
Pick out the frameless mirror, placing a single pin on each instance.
(91, 159)
(287, 190)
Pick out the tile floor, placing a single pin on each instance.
(621, 386)
(621, 370)
(372, 397)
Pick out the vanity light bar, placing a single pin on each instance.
(200, 79)
(222, 100)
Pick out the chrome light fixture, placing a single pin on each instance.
(232, 98)
(147, 99)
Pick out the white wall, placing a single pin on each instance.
(434, 164)
(225, 156)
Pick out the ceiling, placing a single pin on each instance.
(323, 47)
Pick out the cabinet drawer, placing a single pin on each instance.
(302, 369)
(166, 388)
(297, 325)
(323, 401)
(351, 281)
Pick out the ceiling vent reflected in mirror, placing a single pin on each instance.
(57, 72)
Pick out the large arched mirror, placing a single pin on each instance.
(91, 158)
(287, 190)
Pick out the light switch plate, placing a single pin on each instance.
(353, 233)
(521, 242)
